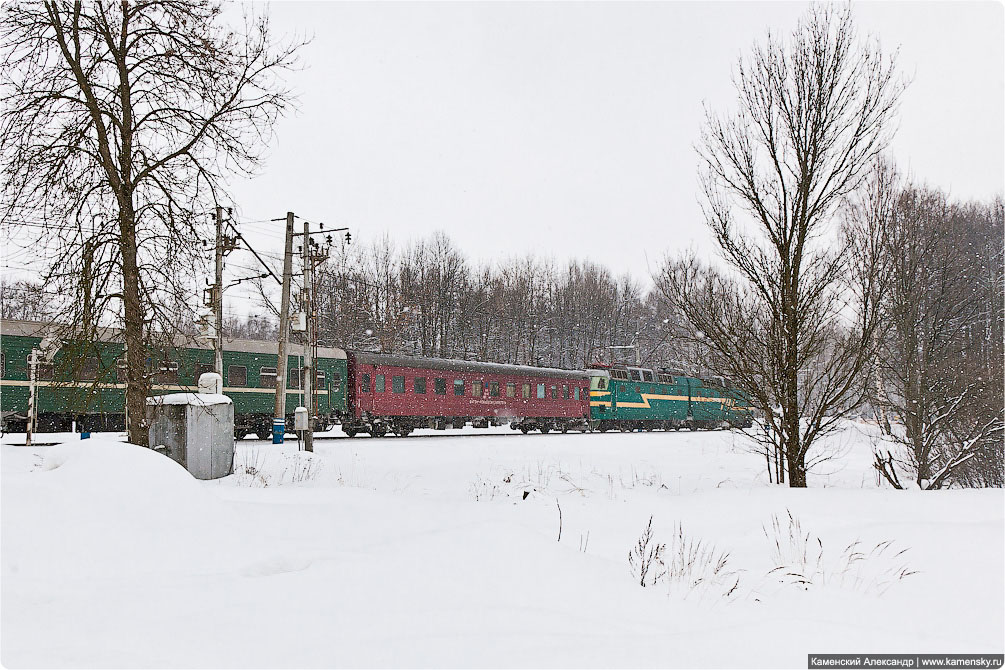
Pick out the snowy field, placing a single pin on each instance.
(443, 550)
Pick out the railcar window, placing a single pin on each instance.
(294, 378)
(647, 376)
(44, 372)
(575, 393)
(3, 365)
(336, 382)
(554, 392)
(636, 376)
(540, 390)
(266, 378)
(476, 389)
(440, 386)
(365, 387)
(494, 389)
(565, 391)
(381, 384)
(168, 373)
(319, 380)
(237, 375)
(526, 390)
(420, 384)
(89, 370)
(458, 387)
(398, 384)
(510, 390)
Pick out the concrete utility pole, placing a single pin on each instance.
(307, 374)
(32, 373)
(218, 296)
(47, 350)
(279, 416)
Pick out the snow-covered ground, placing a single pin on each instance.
(443, 550)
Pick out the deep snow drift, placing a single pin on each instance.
(443, 550)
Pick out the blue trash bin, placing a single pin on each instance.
(278, 430)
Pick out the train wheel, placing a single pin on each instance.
(545, 429)
(378, 431)
(602, 428)
(349, 431)
(565, 428)
(263, 433)
(524, 429)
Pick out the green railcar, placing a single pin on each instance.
(631, 398)
(85, 381)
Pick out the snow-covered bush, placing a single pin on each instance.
(800, 560)
(688, 567)
(248, 468)
(693, 568)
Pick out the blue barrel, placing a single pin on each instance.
(85, 434)
(278, 430)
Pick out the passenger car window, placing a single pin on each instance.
(554, 392)
(380, 385)
(440, 386)
(366, 384)
(540, 390)
(476, 389)
(458, 387)
(420, 384)
(494, 389)
(398, 384)
(526, 390)
(237, 375)
(266, 378)
(510, 389)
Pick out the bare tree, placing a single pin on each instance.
(121, 120)
(24, 300)
(941, 387)
(813, 114)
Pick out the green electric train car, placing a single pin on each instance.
(632, 398)
(84, 383)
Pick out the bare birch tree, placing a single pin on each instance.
(813, 113)
(121, 121)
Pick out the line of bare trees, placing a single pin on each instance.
(426, 298)
(938, 375)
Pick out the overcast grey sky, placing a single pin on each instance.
(567, 129)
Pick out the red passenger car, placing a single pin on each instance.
(401, 393)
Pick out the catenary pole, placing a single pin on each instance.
(218, 297)
(307, 374)
(279, 416)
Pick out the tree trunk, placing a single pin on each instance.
(136, 382)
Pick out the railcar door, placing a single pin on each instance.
(365, 376)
